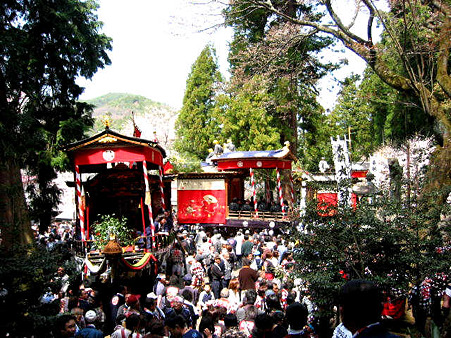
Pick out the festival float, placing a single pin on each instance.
(205, 198)
(120, 177)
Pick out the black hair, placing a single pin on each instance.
(273, 302)
(174, 321)
(361, 302)
(132, 321)
(188, 295)
(296, 316)
(206, 323)
(230, 320)
(60, 323)
(250, 296)
(264, 322)
(119, 319)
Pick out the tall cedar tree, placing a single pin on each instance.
(196, 126)
(277, 51)
(45, 46)
(418, 36)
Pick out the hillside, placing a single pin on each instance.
(150, 117)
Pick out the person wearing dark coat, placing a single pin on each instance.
(361, 304)
(217, 275)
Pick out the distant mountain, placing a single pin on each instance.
(150, 117)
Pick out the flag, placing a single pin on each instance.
(136, 130)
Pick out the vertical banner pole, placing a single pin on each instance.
(144, 223)
(88, 232)
(163, 203)
(148, 202)
(293, 200)
(81, 215)
(279, 187)
(254, 194)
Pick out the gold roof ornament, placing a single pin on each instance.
(106, 121)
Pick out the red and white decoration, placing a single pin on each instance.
(254, 193)
(81, 215)
(163, 203)
(148, 202)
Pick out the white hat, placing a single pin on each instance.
(91, 316)
(152, 295)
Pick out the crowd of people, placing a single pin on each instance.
(218, 285)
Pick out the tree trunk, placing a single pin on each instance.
(14, 222)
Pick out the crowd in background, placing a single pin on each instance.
(213, 284)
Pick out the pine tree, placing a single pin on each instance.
(196, 126)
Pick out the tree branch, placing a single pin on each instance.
(443, 76)
(340, 25)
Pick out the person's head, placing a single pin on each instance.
(234, 284)
(78, 314)
(176, 325)
(360, 304)
(90, 317)
(177, 303)
(206, 326)
(246, 262)
(187, 295)
(65, 326)
(230, 320)
(132, 300)
(120, 319)
(296, 316)
(224, 293)
(151, 301)
(207, 288)
(263, 325)
(275, 285)
(187, 279)
(273, 302)
(132, 322)
(278, 317)
(250, 296)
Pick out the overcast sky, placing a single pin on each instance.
(155, 44)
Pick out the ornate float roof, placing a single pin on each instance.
(268, 159)
(109, 146)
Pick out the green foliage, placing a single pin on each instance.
(393, 243)
(353, 113)
(274, 50)
(185, 165)
(395, 115)
(45, 47)
(26, 275)
(314, 136)
(244, 117)
(196, 126)
(108, 226)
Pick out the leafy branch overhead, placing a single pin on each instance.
(416, 35)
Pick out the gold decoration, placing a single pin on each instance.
(106, 121)
(108, 139)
